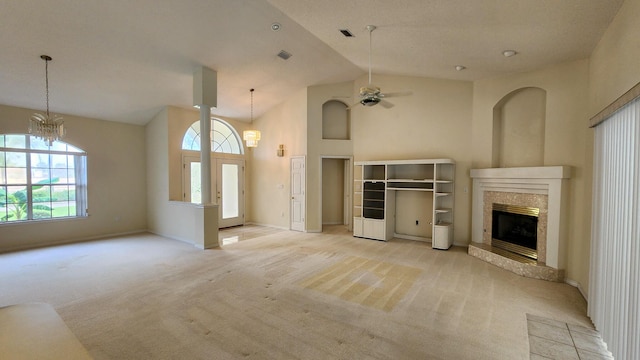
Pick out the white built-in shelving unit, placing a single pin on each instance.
(376, 184)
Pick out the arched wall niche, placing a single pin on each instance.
(336, 122)
(519, 128)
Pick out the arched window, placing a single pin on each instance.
(224, 138)
(38, 181)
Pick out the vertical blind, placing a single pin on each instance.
(614, 289)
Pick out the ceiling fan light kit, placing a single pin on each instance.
(371, 95)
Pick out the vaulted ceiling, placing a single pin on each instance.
(124, 60)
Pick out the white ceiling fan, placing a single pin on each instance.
(371, 95)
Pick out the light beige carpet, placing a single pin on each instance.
(285, 295)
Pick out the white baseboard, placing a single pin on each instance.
(267, 225)
(412, 237)
(578, 286)
(71, 241)
(186, 241)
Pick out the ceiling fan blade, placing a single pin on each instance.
(395, 94)
(385, 104)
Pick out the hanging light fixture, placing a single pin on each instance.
(251, 136)
(46, 126)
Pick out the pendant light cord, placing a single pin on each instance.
(370, 31)
(251, 104)
(46, 76)
(370, 28)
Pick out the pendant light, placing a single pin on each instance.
(251, 137)
(47, 127)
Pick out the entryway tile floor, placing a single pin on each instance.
(234, 234)
(552, 339)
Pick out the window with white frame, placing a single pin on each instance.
(224, 138)
(38, 181)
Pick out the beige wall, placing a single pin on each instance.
(518, 122)
(566, 141)
(614, 62)
(116, 182)
(269, 174)
(613, 69)
(317, 147)
(434, 122)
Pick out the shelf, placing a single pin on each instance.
(411, 180)
(418, 185)
(430, 180)
(373, 204)
(408, 189)
(442, 211)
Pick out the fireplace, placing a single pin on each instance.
(544, 188)
(515, 229)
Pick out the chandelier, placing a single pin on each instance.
(251, 136)
(45, 126)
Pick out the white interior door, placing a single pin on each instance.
(298, 185)
(230, 192)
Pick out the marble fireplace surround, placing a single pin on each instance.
(544, 187)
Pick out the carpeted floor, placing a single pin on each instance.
(273, 294)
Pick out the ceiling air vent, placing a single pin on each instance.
(346, 32)
(284, 55)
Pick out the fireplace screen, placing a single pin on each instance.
(515, 228)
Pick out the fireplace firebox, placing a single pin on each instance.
(515, 229)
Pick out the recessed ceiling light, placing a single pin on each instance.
(276, 26)
(509, 53)
(460, 67)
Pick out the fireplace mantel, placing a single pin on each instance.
(544, 180)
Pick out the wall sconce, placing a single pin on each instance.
(251, 137)
(280, 151)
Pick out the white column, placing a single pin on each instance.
(205, 95)
(205, 154)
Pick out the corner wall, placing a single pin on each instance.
(567, 142)
(115, 176)
(317, 147)
(269, 175)
(614, 62)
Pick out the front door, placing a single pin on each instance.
(227, 177)
(230, 192)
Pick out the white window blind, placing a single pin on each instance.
(614, 289)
